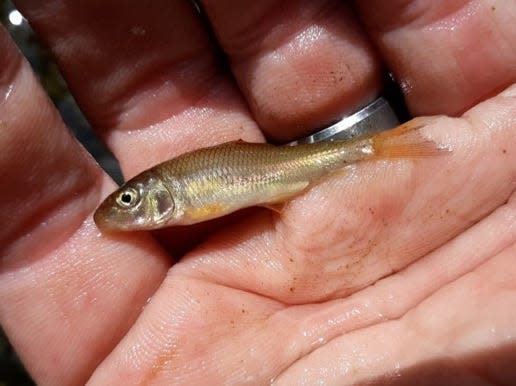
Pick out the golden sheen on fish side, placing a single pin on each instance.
(212, 182)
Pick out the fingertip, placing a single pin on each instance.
(302, 66)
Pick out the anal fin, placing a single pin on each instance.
(278, 207)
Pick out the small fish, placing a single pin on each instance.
(212, 182)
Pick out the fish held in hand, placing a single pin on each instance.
(212, 182)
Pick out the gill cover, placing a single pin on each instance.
(160, 199)
(142, 203)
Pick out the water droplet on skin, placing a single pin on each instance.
(397, 369)
(406, 86)
(9, 91)
(318, 342)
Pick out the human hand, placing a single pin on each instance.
(397, 272)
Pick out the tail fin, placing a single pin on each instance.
(405, 141)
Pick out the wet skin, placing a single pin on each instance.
(393, 273)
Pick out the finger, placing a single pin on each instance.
(446, 55)
(67, 297)
(300, 64)
(147, 78)
(150, 82)
(279, 288)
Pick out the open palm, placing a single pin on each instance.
(392, 273)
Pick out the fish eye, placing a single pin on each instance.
(128, 198)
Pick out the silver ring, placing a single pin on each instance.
(376, 116)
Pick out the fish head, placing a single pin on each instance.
(142, 203)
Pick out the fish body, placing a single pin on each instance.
(211, 182)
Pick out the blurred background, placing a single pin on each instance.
(12, 372)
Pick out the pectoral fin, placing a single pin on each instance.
(206, 212)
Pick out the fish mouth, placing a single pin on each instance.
(100, 220)
(109, 220)
(103, 222)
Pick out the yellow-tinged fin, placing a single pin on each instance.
(405, 141)
(278, 208)
(206, 212)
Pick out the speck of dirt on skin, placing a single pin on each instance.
(158, 366)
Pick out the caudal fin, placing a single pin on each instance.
(406, 141)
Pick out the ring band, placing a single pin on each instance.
(376, 116)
